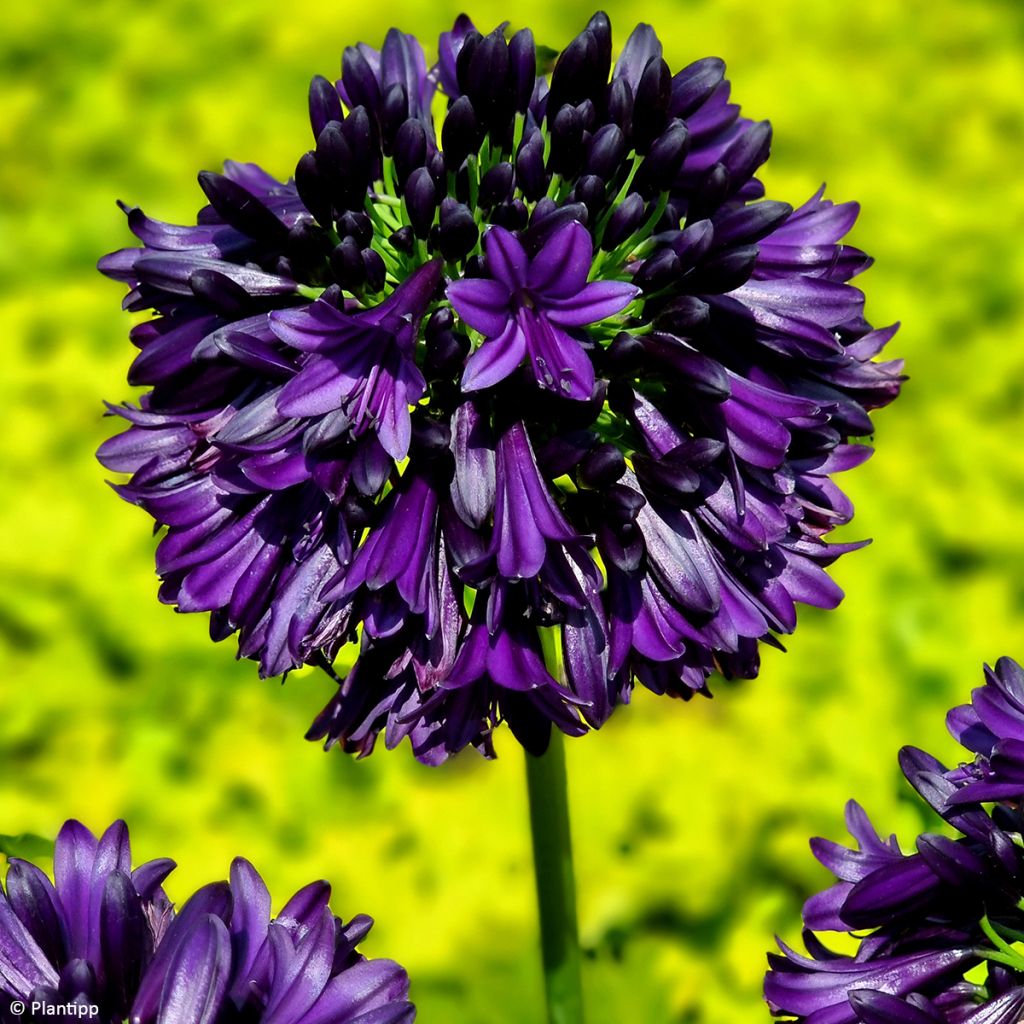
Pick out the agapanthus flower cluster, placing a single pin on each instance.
(102, 942)
(940, 929)
(520, 404)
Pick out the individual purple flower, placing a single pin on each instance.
(505, 411)
(940, 928)
(525, 306)
(103, 941)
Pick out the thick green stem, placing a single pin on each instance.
(556, 885)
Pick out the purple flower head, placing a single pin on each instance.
(501, 412)
(926, 920)
(105, 938)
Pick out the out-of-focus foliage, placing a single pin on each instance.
(690, 821)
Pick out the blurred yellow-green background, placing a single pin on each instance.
(690, 821)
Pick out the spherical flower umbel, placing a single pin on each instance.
(519, 407)
(941, 929)
(105, 939)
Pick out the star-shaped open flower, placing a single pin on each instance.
(525, 306)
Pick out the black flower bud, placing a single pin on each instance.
(312, 188)
(324, 104)
(470, 44)
(650, 109)
(334, 163)
(458, 230)
(625, 354)
(238, 207)
(421, 201)
(749, 223)
(360, 133)
(602, 466)
(220, 292)
(702, 374)
(606, 151)
(308, 245)
(403, 239)
(496, 185)
(522, 53)
(566, 154)
(601, 29)
(487, 82)
(359, 80)
(724, 272)
(625, 219)
(394, 111)
(356, 224)
(672, 480)
(512, 216)
(410, 149)
(663, 162)
(658, 270)
(530, 175)
(376, 272)
(590, 190)
(347, 264)
(686, 315)
(446, 352)
(460, 133)
(619, 105)
(747, 153)
(709, 194)
(575, 75)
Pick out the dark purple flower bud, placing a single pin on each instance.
(496, 185)
(522, 53)
(588, 114)
(666, 477)
(241, 209)
(347, 264)
(601, 29)
(312, 188)
(663, 161)
(530, 175)
(308, 244)
(590, 191)
(394, 112)
(376, 272)
(709, 194)
(625, 354)
(576, 75)
(543, 225)
(623, 505)
(488, 84)
(747, 153)
(625, 219)
(641, 48)
(512, 216)
(566, 155)
(446, 353)
(704, 375)
(360, 82)
(686, 315)
(619, 104)
(650, 107)
(360, 132)
(724, 272)
(410, 149)
(421, 201)
(358, 225)
(324, 104)
(470, 44)
(694, 84)
(460, 133)
(748, 224)
(435, 164)
(219, 291)
(458, 230)
(602, 466)
(336, 167)
(404, 240)
(430, 437)
(606, 151)
(658, 271)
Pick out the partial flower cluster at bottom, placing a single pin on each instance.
(103, 942)
(940, 929)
